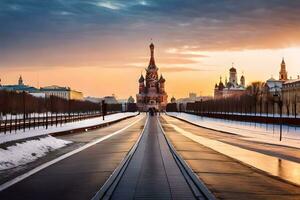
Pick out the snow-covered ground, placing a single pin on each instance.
(65, 127)
(25, 152)
(267, 133)
(31, 115)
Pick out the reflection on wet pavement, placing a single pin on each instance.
(287, 170)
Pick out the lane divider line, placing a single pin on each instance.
(47, 164)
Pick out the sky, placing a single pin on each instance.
(101, 47)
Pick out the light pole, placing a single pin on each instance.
(277, 98)
(103, 104)
(24, 109)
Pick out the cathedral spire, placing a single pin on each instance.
(283, 73)
(152, 61)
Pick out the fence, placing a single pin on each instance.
(19, 111)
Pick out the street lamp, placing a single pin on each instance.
(277, 98)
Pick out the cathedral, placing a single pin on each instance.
(231, 87)
(152, 92)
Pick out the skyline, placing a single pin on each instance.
(97, 42)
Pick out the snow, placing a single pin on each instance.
(266, 133)
(23, 153)
(20, 134)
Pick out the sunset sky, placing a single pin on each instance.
(100, 47)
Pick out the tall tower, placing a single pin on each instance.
(141, 84)
(162, 81)
(152, 92)
(242, 81)
(283, 73)
(233, 76)
(20, 81)
(151, 72)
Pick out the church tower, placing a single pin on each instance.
(283, 73)
(141, 84)
(151, 88)
(242, 81)
(233, 76)
(20, 81)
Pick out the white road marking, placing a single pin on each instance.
(47, 164)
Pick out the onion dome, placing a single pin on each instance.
(141, 80)
(151, 46)
(221, 86)
(162, 79)
(232, 69)
(173, 100)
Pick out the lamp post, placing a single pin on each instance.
(104, 107)
(24, 109)
(277, 98)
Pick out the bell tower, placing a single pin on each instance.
(283, 73)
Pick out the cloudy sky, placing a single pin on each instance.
(100, 47)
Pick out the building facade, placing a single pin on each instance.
(230, 88)
(291, 96)
(152, 92)
(62, 92)
(283, 89)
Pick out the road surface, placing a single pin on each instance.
(81, 175)
(153, 170)
(227, 177)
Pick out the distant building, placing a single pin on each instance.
(20, 87)
(108, 99)
(152, 92)
(287, 89)
(173, 100)
(130, 100)
(273, 86)
(291, 96)
(231, 87)
(62, 92)
(192, 98)
(93, 99)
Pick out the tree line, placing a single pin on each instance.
(23, 103)
(255, 101)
